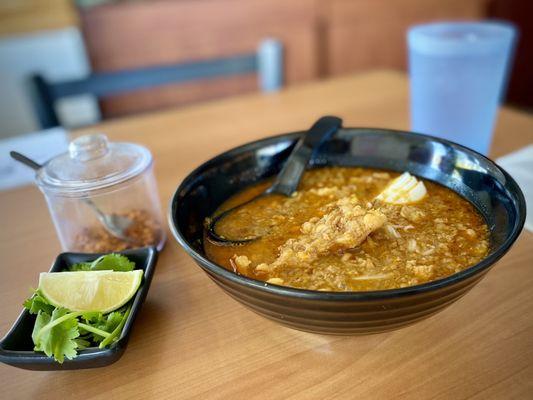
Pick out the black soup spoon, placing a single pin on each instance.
(287, 180)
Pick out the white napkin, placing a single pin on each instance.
(40, 146)
(520, 165)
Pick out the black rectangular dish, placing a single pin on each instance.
(16, 348)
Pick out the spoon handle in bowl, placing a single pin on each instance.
(288, 179)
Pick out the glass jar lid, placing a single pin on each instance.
(92, 163)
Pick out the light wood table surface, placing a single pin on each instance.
(193, 341)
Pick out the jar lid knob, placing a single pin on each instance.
(88, 147)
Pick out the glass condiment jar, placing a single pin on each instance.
(115, 179)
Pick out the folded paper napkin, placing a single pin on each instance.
(520, 165)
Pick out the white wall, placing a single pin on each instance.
(58, 55)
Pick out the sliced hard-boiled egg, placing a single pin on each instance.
(404, 189)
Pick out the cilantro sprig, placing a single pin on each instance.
(115, 262)
(61, 333)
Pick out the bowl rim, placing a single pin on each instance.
(307, 294)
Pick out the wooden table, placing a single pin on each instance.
(191, 340)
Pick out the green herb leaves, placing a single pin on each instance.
(60, 333)
(98, 327)
(56, 334)
(38, 303)
(115, 262)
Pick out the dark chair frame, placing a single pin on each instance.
(267, 62)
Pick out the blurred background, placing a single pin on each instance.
(66, 39)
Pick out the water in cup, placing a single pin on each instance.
(458, 74)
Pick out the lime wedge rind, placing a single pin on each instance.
(84, 291)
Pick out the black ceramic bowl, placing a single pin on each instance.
(16, 348)
(483, 183)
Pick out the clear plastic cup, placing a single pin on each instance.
(458, 74)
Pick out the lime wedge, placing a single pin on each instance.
(102, 291)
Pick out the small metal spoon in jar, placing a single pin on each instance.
(287, 180)
(115, 224)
